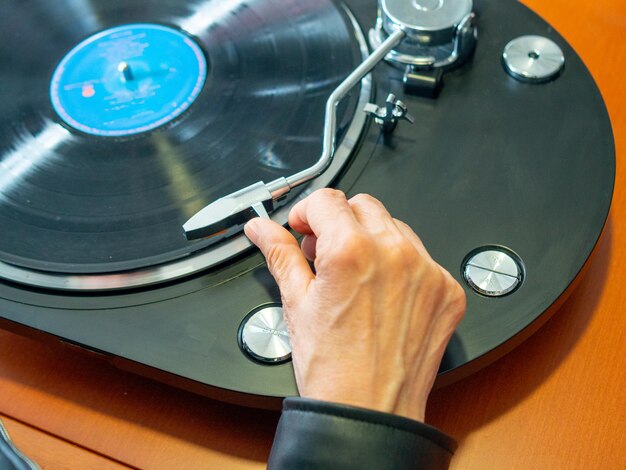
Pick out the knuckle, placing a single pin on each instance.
(402, 223)
(400, 254)
(402, 227)
(410, 255)
(430, 277)
(351, 250)
(355, 241)
(329, 193)
(365, 199)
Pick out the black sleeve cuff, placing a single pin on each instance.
(313, 435)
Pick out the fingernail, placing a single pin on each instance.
(250, 229)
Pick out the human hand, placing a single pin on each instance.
(370, 326)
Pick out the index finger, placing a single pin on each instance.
(323, 212)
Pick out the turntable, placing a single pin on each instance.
(136, 139)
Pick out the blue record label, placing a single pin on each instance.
(128, 79)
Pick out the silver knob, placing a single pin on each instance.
(263, 336)
(493, 272)
(533, 59)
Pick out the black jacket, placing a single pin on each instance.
(318, 435)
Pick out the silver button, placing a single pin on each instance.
(533, 59)
(493, 272)
(263, 336)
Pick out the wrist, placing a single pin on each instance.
(411, 408)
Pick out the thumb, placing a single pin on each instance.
(283, 255)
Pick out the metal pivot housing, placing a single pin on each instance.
(440, 33)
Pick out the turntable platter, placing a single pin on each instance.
(120, 121)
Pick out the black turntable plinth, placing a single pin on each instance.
(122, 120)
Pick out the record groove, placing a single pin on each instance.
(76, 203)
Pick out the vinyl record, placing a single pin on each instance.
(79, 197)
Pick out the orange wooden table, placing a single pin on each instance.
(556, 402)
